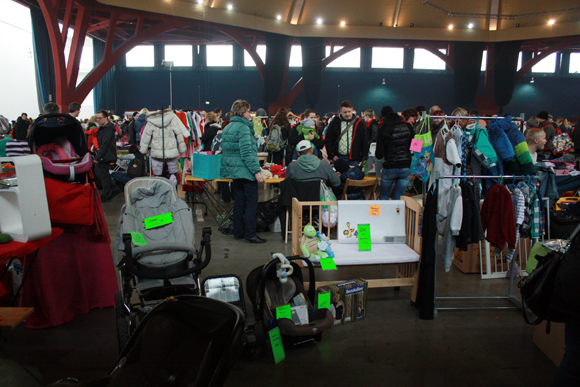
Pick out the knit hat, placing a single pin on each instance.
(543, 115)
(308, 123)
(303, 145)
(341, 165)
(261, 113)
(386, 110)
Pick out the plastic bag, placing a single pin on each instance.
(326, 195)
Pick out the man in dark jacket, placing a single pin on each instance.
(106, 155)
(20, 131)
(372, 128)
(393, 146)
(346, 136)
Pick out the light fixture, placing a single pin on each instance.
(551, 22)
(450, 26)
(319, 21)
(230, 7)
(532, 80)
(279, 17)
(342, 23)
(383, 81)
(470, 25)
(199, 1)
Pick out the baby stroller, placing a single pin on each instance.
(160, 261)
(184, 341)
(269, 287)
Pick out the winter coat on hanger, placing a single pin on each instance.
(167, 141)
(498, 217)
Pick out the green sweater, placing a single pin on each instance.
(240, 151)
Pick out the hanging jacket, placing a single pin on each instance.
(166, 141)
(393, 142)
(478, 141)
(501, 144)
(240, 151)
(522, 164)
(548, 186)
(498, 217)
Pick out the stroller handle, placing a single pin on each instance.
(131, 255)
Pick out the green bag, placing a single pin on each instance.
(422, 163)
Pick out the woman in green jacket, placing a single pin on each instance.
(240, 163)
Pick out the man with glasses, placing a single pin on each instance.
(106, 155)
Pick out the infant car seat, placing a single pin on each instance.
(270, 287)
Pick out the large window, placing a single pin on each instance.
(388, 58)
(261, 50)
(220, 55)
(574, 62)
(351, 59)
(546, 65)
(181, 55)
(425, 60)
(296, 56)
(141, 56)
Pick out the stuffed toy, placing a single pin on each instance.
(309, 244)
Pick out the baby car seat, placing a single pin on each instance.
(270, 287)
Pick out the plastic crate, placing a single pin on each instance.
(206, 166)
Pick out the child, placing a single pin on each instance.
(536, 139)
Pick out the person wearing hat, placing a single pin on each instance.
(306, 130)
(308, 167)
(549, 129)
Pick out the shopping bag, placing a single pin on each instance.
(422, 163)
(70, 203)
(329, 213)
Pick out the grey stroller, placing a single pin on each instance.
(159, 260)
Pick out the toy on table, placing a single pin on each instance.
(324, 244)
(309, 244)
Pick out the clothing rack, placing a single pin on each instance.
(509, 296)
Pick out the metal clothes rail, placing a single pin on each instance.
(509, 296)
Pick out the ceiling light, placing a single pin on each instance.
(450, 26)
(470, 25)
(319, 21)
(383, 81)
(532, 81)
(230, 7)
(551, 22)
(342, 23)
(279, 17)
(199, 1)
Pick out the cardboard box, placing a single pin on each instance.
(468, 261)
(551, 344)
(348, 300)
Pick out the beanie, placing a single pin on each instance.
(543, 115)
(341, 165)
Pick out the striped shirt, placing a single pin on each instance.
(17, 148)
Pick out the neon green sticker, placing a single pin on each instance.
(284, 311)
(324, 300)
(158, 221)
(327, 264)
(138, 239)
(277, 347)
(364, 237)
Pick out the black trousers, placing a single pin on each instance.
(102, 172)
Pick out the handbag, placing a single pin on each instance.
(70, 203)
(422, 162)
(537, 290)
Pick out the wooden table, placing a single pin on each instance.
(11, 317)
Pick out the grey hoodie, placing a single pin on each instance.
(310, 167)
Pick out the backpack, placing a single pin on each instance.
(216, 144)
(136, 167)
(275, 141)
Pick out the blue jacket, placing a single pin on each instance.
(523, 164)
(239, 150)
(140, 122)
(500, 142)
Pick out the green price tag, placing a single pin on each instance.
(158, 221)
(324, 300)
(284, 311)
(327, 264)
(364, 237)
(138, 239)
(277, 347)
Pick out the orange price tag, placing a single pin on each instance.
(375, 210)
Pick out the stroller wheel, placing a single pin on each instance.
(122, 327)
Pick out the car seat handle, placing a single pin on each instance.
(285, 269)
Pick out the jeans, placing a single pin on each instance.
(568, 373)
(399, 177)
(348, 160)
(120, 178)
(246, 202)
